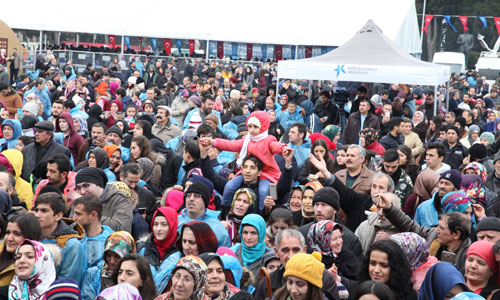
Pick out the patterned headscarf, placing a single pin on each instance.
(473, 186)
(456, 201)
(122, 187)
(414, 247)
(198, 269)
(315, 186)
(371, 135)
(122, 291)
(319, 234)
(101, 158)
(331, 131)
(42, 276)
(478, 168)
(119, 242)
(251, 197)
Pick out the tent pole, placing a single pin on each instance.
(422, 27)
(435, 100)
(41, 42)
(296, 51)
(77, 39)
(309, 96)
(447, 95)
(208, 42)
(277, 89)
(123, 41)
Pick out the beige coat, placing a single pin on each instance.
(362, 183)
(413, 141)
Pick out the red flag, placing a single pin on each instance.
(113, 41)
(167, 43)
(278, 49)
(463, 20)
(309, 51)
(249, 51)
(497, 23)
(428, 19)
(220, 49)
(191, 47)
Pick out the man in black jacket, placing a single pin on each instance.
(36, 154)
(455, 151)
(288, 243)
(326, 109)
(394, 138)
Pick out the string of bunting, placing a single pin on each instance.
(463, 20)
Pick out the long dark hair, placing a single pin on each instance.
(399, 280)
(330, 164)
(145, 145)
(313, 292)
(148, 289)
(434, 134)
(30, 229)
(372, 287)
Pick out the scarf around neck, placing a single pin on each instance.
(246, 141)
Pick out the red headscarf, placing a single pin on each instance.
(173, 221)
(484, 249)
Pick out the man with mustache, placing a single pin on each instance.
(356, 175)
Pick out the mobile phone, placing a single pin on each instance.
(387, 114)
(448, 256)
(273, 191)
(20, 112)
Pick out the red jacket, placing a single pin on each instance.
(376, 147)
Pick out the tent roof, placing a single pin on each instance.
(292, 22)
(367, 57)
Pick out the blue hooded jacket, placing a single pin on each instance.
(44, 97)
(287, 119)
(312, 120)
(18, 131)
(439, 280)
(301, 152)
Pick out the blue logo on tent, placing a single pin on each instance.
(340, 68)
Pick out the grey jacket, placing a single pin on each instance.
(116, 209)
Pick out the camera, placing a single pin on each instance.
(341, 97)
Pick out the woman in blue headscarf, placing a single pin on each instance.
(443, 281)
(11, 130)
(252, 246)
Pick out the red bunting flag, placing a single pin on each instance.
(249, 51)
(463, 20)
(497, 24)
(220, 49)
(428, 19)
(112, 40)
(309, 51)
(278, 52)
(191, 47)
(167, 43)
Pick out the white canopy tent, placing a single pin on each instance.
(369, 56)
(291, 22)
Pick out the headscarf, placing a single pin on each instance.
(456, 201)
(83, 124)
(122, 187)
(371, 135)
(113, 86)
(42, 276)
(147, 167)
(118, 103)
(252, 254)
(101, 158)
(119, 242)
(122, 291)
(473, 128)
(315, 186)
(467, 296)
(473, 186)
(226, 293)
(439, 280)
(484, 250)
(478, 168)
(198, 269)
(251, 209)
(414, 247)
(425, 184)
(171, 215)
(319, 235)
(67, 90)
(422, 116)
(330, 131)
(111, 148)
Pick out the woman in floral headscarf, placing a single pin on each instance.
(306, 215)
(122, 291)
(188, 280)
(326, 237)
(244, 203)
(38, 272)
(369, 140)
(97, 278)
(476, 168)
(416, 251)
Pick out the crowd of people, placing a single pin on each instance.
(206, 180)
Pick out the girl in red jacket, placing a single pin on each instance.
(256, 143)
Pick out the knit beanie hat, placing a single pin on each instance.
(63, 289)
(307, 267)
(461, 120)
(32, 107)
(331, 131)
(477, 151)
(454, 176)
(329, 196)
(454, 128)
(199, 188)
(195, 121)
(489, 223)
(115, 129)
(490, 137)
(92, 175)
(213, 117)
